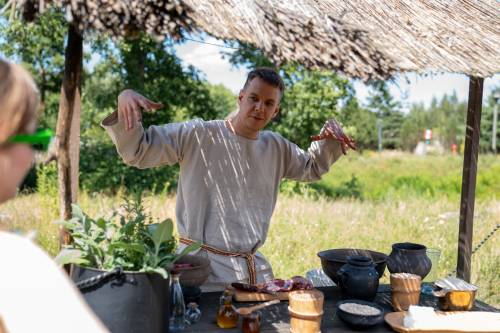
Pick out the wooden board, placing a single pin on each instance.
(245, 296)
(463, 322)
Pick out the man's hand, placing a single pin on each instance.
(333, 130)
(130, 104)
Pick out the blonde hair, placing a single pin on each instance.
(18, 101)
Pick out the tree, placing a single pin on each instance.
(362, 123)
(387, 109)
(449, 115)
(414, 124)
(224, 101)
(39, 47)
(309, 101)
(487, 122)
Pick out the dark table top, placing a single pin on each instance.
(275, 318)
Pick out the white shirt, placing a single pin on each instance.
(36, 295)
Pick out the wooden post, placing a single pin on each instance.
(471, 152)
(68, 127)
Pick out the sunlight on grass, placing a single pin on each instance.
(301, 227)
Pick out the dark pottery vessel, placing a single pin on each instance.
(360, 321)
(333, 259)
(358, 278)
(196, 275)
(131, 303)
(409, 258)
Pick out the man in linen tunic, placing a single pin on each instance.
(228, 183)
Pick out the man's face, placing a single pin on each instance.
(258, 104)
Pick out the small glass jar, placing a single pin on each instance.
(193, 314)
(177, 318)
(227, 317)
(251, 323)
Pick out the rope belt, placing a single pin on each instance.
(249, 257)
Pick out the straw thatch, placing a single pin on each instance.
(364, 39)
(460, 36)
(119, 18)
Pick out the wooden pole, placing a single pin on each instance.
(68, 127)
(471, 153)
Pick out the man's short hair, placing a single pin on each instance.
(268, 75)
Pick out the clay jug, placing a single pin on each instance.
(409, 258)
(358, 278)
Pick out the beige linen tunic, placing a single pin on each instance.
(228, 184)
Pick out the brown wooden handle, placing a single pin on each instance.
(247, 310)
(263, 305)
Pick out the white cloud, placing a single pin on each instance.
(208, 59)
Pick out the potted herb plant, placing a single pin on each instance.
(121, 266)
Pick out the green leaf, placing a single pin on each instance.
(77, 212)
(163, 233)
(127, 246)
(70, 256)
(152, 228)
(188, 249)
(101, 223)
(162, 271)
(166, 260)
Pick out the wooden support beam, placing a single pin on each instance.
(471, 153)
(68, 127)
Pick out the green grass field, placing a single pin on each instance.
(404, 198)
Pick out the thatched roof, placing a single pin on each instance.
(364, 39)
(118, 17)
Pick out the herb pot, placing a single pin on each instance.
(409, 258)
(126, 302)
(358, 279)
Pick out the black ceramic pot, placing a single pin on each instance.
(409, 258)
(359, 321)
(358, 279)
(132, 302)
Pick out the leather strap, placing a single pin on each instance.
(249, 257)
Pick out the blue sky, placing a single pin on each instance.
(409, 88)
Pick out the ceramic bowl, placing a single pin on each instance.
(196, 275)
(360, 321)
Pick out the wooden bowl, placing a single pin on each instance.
(196, 275)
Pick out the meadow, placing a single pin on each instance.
(367, 200)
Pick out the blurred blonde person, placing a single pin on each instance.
(35, 294)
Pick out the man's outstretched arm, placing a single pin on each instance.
(326, 148)
(158, 145)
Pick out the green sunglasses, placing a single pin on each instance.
(40, 140)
